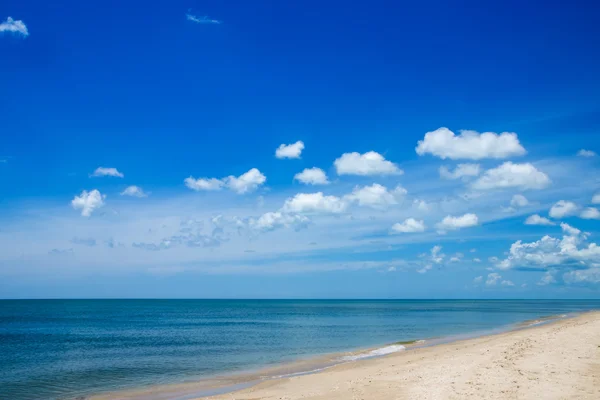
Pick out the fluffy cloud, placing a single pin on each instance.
(507, 283)
(312, 176)
(202, 19)
(535, 219)
(452, 223)
(586, 153)
(273, 220)
(290, 150)
(572, 251)
(101, 171)
(134, 191)
(518, 200)
(563, 209)
(87, 202)
(376, 196)
(307, 203)
(590, 213)
(461, 171)
(470, 145)
(16, 27)
(596, 199)
(478, 280)
(245, 183)
(370, 163)
(510, 175)
(409, 225)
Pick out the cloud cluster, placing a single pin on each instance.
(134, 191)
(470, 145)
(509, 175)
(586, 153)
(462, 171)
(314, 203)
(312, 176)
(87, 202)
(376, 196)
(370, 163)
(102, 171)
(16, 27)
(452, 223)
(290, 150)
(563, 209)
(572, 251)
(410, 225)
(535, 219)
(274, 220)
(245, 183)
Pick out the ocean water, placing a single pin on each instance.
(64, 349)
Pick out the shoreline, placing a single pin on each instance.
(227, 384)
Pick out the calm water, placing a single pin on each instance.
(57, 349)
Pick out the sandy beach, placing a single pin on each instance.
(557, 360)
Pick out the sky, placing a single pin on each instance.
(314, 149)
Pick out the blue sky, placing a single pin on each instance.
(425, 150)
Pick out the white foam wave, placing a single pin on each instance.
(375, 353)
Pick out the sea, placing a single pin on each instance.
(166, 349)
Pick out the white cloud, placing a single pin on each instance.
(493, 278)
(461, 171)
(245, 183)
(510, 175)
(421, 205)
(16, 27)
(586, 153)
(134, 191)
(563, 209)
(203, 183)
(314, 203)
(436, 255)
(202, 19)
(101, 171)
(370, 163)
(87, 202)
(507, 283)
(569, 252)
(470, 145)
(547, 279)
(452, 223)
(477, 260)
(424, 269)
(590, 213)
(478, 280)
(290, 150)
(535, 219)
(273, 220)
(591, 275)
(518, 200)
(376, 196)
(312, 176)
(409, 225)
(596, 199)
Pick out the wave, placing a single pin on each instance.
(382, 351)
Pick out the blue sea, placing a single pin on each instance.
(65, 349)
